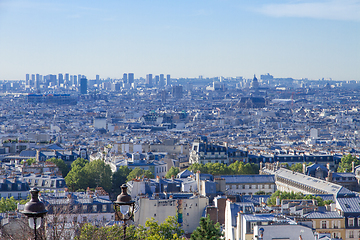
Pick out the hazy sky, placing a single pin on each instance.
(187, 38)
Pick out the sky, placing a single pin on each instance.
(286, 38)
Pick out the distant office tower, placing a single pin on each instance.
(156, 80)
(125, 78)
(83, 86)
(131, 78)
(52, 80)
(97, 78)
(78, 77)
(37, 81)
(27, 79)
(60, 79)
(177, 91)
(67, 79)
(168, 80)
(75, 82)
(162, 80)
(148, 81)
(32, 81)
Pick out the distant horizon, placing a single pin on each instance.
(299, 39)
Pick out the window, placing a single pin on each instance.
(336, 224)
(75, 219)
(94, 207)
(187, 214)
(84, 219)
(104, 208)
(84, 207)
(154, 214)
(9, 195)
(351, 222)
(243, 186)
(19, 195)
(351, 234)
(323, 224)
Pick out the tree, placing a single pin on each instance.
(84, 174)
(297, 167)
(29, 161)
(207, 230)
(168, 230)
(138, 172)
(99, 175)
(173, 171)
(345, 164)
(119, 178)
(291, 195)
(63, 167)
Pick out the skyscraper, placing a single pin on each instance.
(131, 78)
(83, 86)
(97, 79)
(67, 80)
(60, 79)
(168, 80)
(32, 82)
(125, 78)
(157, 79)
(162, 80)
(37, 81)
(148, 81)
(27, 78)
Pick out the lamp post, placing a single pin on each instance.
(125, 205)
(34, 210)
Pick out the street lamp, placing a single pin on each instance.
(34, 210)
(125, 205)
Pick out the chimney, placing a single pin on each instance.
(304, 168)
(329, 178)
(353, 167)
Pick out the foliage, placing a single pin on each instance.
(346, 163)
(173, 171)
(292, 195)
(63, 167)
(84, 174)
(235, 168)
(115, 232)
(10, 204)
(168, 230)
(260, 193)
(138, 172)
(119, 178)
(207, 230)
(29, 161)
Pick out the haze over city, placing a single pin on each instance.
(298, 39)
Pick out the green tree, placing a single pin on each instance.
(8, 204)
(63, 167)
(99, 174)
(207, 230)
(138, 172)
(345, 164)
(76, 178)
(173, 171)
(29, 161)
(198, 167)
(119, 178)
(297, 167)
(168, 230)
(115, 232)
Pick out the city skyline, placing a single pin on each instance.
(298, 39)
